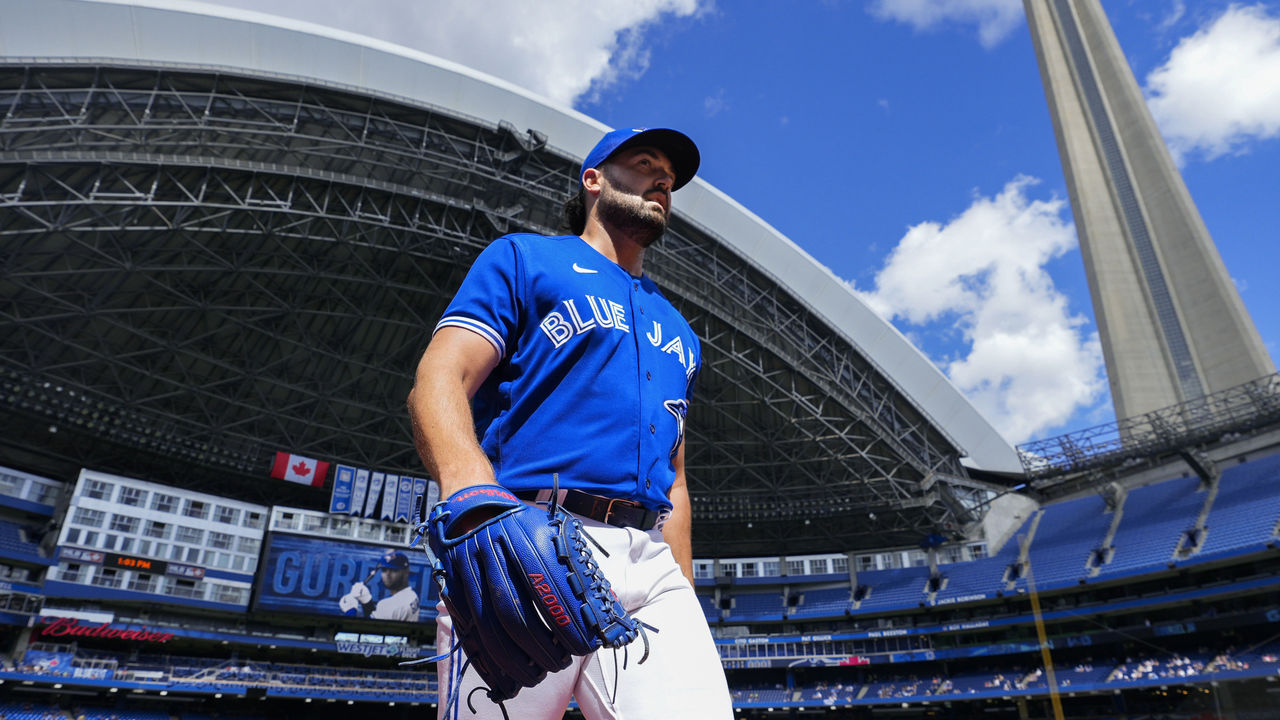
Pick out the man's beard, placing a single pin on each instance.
(631, 215)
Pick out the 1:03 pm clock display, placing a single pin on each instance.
(132, 562)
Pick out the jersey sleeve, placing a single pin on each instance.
(488, 303)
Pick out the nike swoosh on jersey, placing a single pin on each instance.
(584, 270)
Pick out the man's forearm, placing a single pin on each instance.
(444, 435)
(678, 530)
(440, 414)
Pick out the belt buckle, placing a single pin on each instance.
(608, 510)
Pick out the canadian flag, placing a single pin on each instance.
(296, 468)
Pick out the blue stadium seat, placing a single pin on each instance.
(900, 588)
(1154, 519)
(1068, 532)
(1246, 510)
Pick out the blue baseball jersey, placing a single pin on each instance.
(596, 372)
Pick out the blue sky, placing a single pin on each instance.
(906, 145)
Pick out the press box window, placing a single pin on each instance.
(131, 496)
(97, 489)
(143, 583)
(87, 517)
(164, 503)
(127, 524)
(107, 577)
(71, 573)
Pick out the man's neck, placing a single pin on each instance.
(615, 245)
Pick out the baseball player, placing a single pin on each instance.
(401, 604)
(567, 360)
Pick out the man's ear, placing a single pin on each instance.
(592, 179)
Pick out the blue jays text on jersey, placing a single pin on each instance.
(596, 372)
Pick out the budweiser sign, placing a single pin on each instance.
(64, 627)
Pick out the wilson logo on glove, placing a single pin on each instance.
(549, 599)
(489, 491)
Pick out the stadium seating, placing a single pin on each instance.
(98, 713)
(1067, 534)
(899, 588)
(1243, 519)
(30, 711)
(14, 541)
(1246, 510)
(826, 602)
(709, 608)
(1154, 520)
(974, 579)
(749, 607)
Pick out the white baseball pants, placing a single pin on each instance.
(682, 679)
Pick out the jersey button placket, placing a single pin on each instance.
(642, 392)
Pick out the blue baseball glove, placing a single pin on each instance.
(522, 587)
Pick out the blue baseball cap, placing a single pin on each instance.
(677, 146)
(394, 560)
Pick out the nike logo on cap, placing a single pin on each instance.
(584, 270)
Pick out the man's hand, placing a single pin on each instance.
(522, 588)
(357, 598)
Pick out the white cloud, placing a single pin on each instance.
(995, 19)
(1175, 14)
(713, 105)
(1220, 88)
(561, 49)
(1025, 361)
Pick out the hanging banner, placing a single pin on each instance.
(357, 493)
(375, 494)
(390, 487)
(419, 490)
(433, 495)
(404, 503)
(340, 499)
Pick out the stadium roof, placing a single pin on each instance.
(814, 405)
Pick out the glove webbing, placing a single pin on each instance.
(612, 631)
